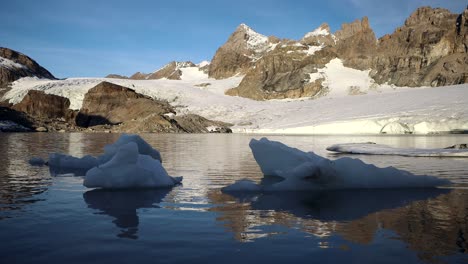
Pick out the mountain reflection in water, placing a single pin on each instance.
(433, 222)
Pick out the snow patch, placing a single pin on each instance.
(317, 32)
(312, 49)
(203, 63)
(11, 65)
(255, 41)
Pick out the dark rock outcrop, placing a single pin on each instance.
(9, 117)
(44, 106)
(109, 103)
(115, 108)
(15, 65)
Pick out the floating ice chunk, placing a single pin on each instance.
(129, 169)
(128, 163)
(243, 185)
(378, 149)
(274, 156)
(58, 160)
(143, 148)
(36, 161)
(307, 171)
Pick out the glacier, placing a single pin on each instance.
(373, 109)
(303, 171)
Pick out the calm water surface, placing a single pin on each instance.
(57, 220)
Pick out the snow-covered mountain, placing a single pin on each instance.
(14, 65)
(346, 82)
(345, 109)
(172, 71)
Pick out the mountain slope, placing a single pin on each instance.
(15, 65)
(430, 49)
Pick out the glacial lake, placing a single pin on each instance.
(54, 219)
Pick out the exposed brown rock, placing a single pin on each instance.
(116, 76)
(138, 76)
(356, 44)
(28, 67)
(197, 124)
(111, 107)
(45, 106)
(109, 103)
(171, 70)
(284, 73)
(319, 37)
(429, 49)
(238, 55)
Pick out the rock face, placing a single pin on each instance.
(109, 103)
(284, 72)
(14, 65)
(116, 108)
(356, 44)
(238, 54)
(430, 49)
(14, 121)
(44, 106)
(171, 71)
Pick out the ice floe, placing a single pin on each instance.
(298, 170)
(128, 163)
(370, 148)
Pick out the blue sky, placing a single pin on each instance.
(94, 38)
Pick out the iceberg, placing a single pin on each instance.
(129, 169)
(298, 170)
(370, 148)
(128, 163)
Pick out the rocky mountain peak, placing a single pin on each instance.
(319, 36)
(322, 30)
(241, 50)
(15, 65)
(171, 71)
(427, 15)
(356, 27)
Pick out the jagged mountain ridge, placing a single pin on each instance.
(171, 71)
(430, 49)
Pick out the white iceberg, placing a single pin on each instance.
(66, 162)
(300, 170)
(128, 163)
(129, 169)
(370, 148)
